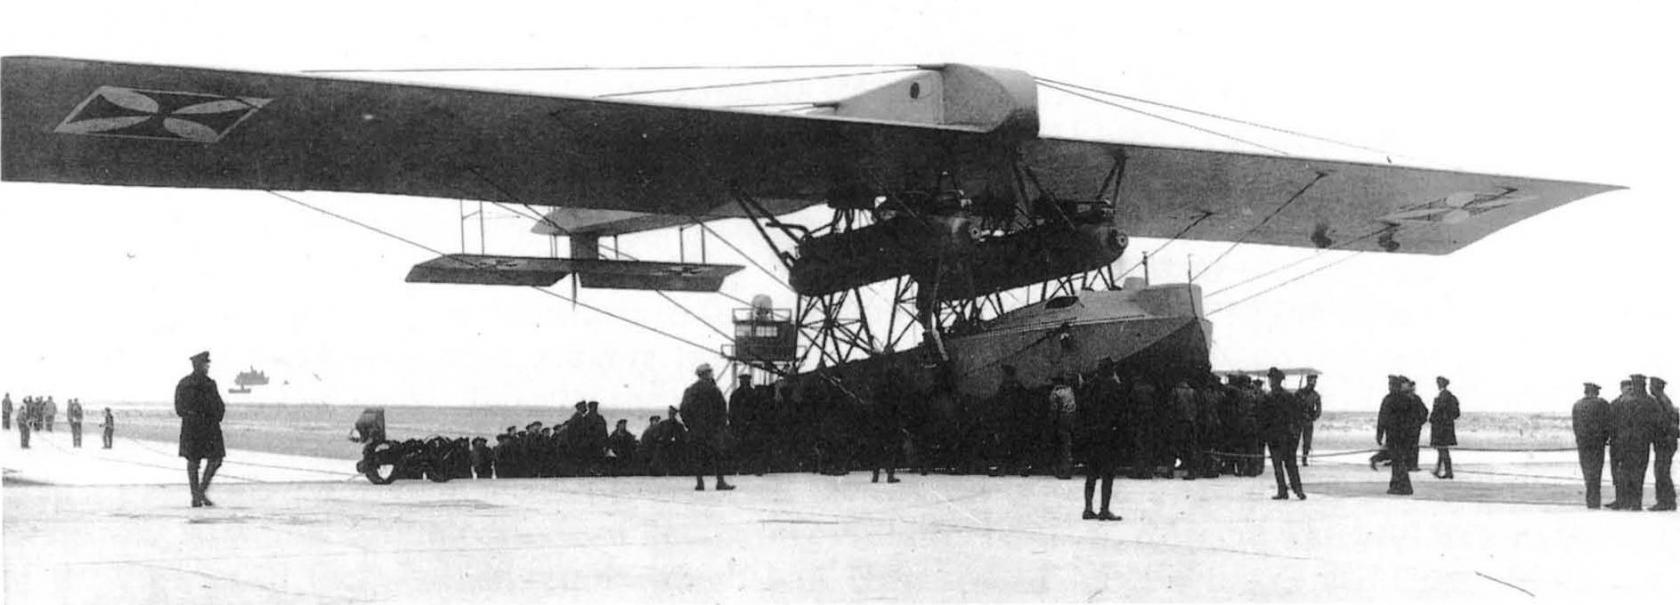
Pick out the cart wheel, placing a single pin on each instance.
(380, 462)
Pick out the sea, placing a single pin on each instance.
(324, 430)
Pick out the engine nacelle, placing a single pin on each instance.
(1045, 252)
(898, 246)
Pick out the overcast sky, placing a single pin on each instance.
(107, 290)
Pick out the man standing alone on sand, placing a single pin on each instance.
(74, 415)
(199, 404)
(1591, 420)
(109, 426)
(1443, 431)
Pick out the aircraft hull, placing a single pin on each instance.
(1157, 330)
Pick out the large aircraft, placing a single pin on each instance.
(938, 183)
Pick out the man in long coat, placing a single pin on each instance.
(1636, 416)
(705, 415)
(1312, 404)
(1443, 428)
(1280, 417)
(74, 415)
(1664, 439)
(1591, 420)
(199, 404)
(1401, 418)
(1102, 435)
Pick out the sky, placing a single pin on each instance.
(107, 290)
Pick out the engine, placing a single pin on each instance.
(897, 246)
(947, 255)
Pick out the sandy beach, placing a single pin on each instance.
(301, 529)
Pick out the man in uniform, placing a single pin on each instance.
(74, 414)
(199, 404)
(23, 425)
(1665, 440)
(1279, 419)
(1015, 400)
(645, 448)
(108, 428)
(746, 413)
(1141, 402)
(1443, 431)
(669, 442)
(705, 415)
(1313, 406)
(1400, 421)
(885, 422)
(1253, 444)
(1064, 404)
(51, 413)
(6, 411)
(1636, 415)
(592, 442)
(1416, 438)
(622, 444)
(1591, 420)
(1099, 424)
(1184, 414)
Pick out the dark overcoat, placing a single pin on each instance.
(704, 413)
(1443, 420)
(199, 404)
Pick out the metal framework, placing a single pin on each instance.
(861, 322)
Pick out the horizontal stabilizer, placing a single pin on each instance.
(493, 270)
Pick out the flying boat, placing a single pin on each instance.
(995, 245)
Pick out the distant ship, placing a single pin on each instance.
(247, 379)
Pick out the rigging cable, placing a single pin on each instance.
(1206, 214)
(536, 288)
(854, 74)
(1309, 257)
(1211, 131)
(562, 68)
(544, 218)
(1214, 116)
(1284, 283)
(1275, 211)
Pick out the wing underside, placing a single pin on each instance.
(613, 166)
(1286, 201)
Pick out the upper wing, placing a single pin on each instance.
(1225, 196)
(95, 122)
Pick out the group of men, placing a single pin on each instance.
(1203, 428)
(578, 446)
(1639, 423)
(40, 413)
(1400, 422)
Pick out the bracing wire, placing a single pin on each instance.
(1214, 116)
(855, 74)
(566, 68)
(1069, 91)
(1284, 283)
(1263, 221)
(1163, 246)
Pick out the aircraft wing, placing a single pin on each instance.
(97, 122)
(1226, 196)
